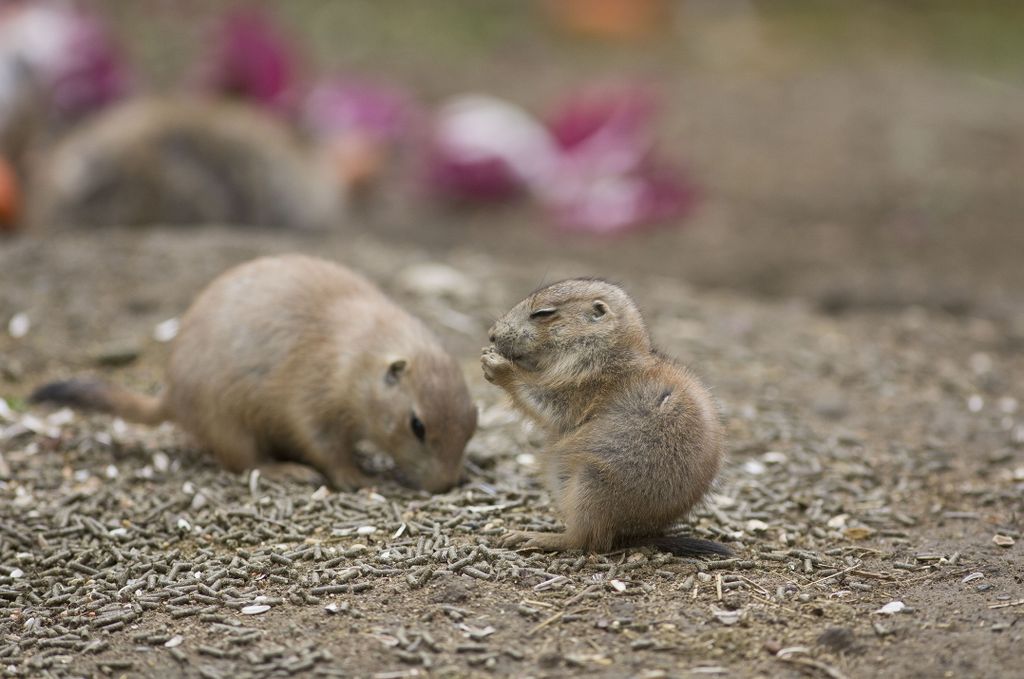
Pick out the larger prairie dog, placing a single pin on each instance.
(634, 440)
(296, 358)
(188, 161)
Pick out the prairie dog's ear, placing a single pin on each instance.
(599, 309)
(395, 369)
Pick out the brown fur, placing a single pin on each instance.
(635, 440)
(298, 358)
(163, 161)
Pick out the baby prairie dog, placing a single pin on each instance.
(297, 359)
(634, 440)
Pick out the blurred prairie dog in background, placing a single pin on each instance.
(634, 439)
(186, 161)
(296, 358)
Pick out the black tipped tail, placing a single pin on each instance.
(684, 546)
(81, 394)
(99, 396)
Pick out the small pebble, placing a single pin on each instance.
(161, 462)
(255, 609)
(728, 617)
(754, 467)
(838, 521)
(891, 608)
(19, 325)
(526, 459)
(166, 330)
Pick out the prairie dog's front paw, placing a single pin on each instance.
(496, 367)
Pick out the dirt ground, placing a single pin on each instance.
(874, 455)
(850, 288)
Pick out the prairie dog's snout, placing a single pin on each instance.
(509, 340)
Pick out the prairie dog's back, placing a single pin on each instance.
(183, 162)
(292, 301)
(664, 439)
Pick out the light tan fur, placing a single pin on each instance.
(634, 440)
(185, 161)
(297, 358)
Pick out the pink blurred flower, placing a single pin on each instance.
(624, 114)
(91, 72)
(66, 51)
(344, 105)
(608, 178)
(485, 149)
(594, 167)
(361, 123)
(252, 59)
(617, 203)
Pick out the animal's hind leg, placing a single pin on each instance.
(577, 536)
(292, 471)
(235, 450)
(588, 526)
(239, 451)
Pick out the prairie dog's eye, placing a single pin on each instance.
(543, 313)
(418, 428)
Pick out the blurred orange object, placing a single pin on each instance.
(616, 19)
(358, 160)
(10, 197)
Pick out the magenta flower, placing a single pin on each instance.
(344, 105)
(91, 71)
(593, 168)
(617, 203)
(252, 59)
(622, 115)
(484, 149)
(65, 51)
(607, 178)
